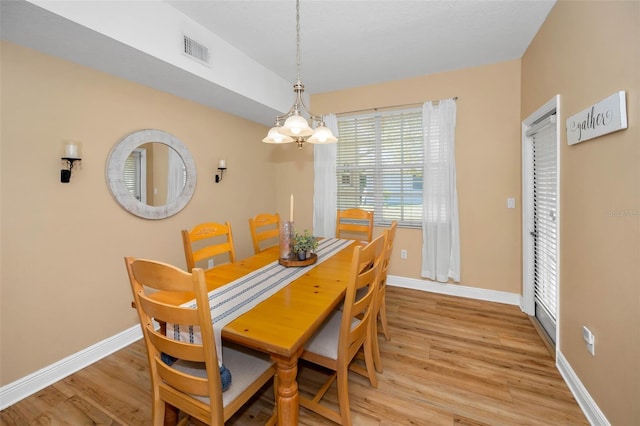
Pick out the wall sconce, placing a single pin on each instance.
(71, 155)
(222, 166)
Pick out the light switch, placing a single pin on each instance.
(511, 203)
(590, 339)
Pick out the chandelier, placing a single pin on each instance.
(293, 126)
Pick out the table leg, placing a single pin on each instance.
(287, 391)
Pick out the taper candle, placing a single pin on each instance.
(291, 209)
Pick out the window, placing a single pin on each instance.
(135, 173)
(379, 164)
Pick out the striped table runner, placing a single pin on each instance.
(237, 297)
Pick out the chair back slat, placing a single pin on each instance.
(167, 313)
(182, 382)
(181, 350)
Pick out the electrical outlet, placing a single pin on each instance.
(210, 264)
(403, 254)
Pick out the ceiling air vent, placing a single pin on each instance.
(196, 50)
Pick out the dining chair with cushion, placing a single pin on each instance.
(207, 240)
(264, 227)
(335, 345)
(186, 375)
(381, 304)
(354, 223)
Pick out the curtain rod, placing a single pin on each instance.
(455, 98)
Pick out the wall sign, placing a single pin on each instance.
(607, 116)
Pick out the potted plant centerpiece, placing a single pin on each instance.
(304, 244)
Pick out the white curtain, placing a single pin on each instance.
(175, 179)
(325, 187)
(440, 227)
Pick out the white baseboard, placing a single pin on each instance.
(34, 382)
(455, 290)
(587, 404)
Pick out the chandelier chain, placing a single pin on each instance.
(298, 40)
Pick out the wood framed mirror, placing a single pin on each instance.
(151, 174)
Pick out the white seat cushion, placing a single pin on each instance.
(245, 365)
(325, 341)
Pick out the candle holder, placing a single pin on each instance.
(287, 233)
(65, 174)
(219, 175)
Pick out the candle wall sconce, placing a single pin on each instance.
(222, 166)
(71, 156)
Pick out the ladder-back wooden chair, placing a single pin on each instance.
(355, 224)
(381, 308)
(345, 332)
(264, 227)
(192, 382)
(206, 241)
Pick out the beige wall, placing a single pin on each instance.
(64, 285)
(488, 163)
(585, 52)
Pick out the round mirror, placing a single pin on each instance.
(151, 174)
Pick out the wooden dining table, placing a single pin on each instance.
(282, 324)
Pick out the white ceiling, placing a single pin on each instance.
(344, 43)
(351, 43)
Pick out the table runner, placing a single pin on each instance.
(228, 302)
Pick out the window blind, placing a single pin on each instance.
(132, 171)
(379, 165)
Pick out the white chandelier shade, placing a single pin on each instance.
(296, 125)
(321, 135)
(274, 136)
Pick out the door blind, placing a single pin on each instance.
(545, 199)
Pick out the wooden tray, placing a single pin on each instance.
(313, 258)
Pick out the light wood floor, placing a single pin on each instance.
(450, 361)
